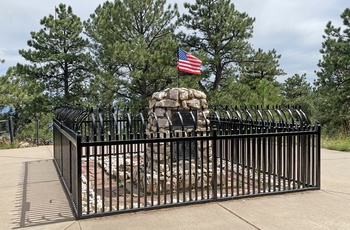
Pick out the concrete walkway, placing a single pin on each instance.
(31, 197)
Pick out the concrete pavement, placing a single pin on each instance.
(31, 197)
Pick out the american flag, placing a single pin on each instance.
(188, 63)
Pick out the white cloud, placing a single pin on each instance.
(293, 27)
(18, 18)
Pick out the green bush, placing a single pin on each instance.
(339, 143)
(29, 130)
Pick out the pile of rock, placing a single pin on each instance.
(4, 140)
(176, 98)
(194, 170)
(127, 163)
(91, 195)
(23, 144)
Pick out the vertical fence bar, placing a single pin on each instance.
(152, 170)
(313, 163)
(299, 160)
(232, 157)
(290, 159)
(304, 160)
(11, 130)
(145, 154)
(274, 160)
(138, 168)
(207, 133)
(259, 160)
(183, 167)
(270, 160)
(284, 160)
(279, 162)
(177, 169)
(158, 169)
(87, 176)
(318, 157)
(110, 177)
(220, 154)
(171, 168)
(164, 184)
(214, 166)
(124, 171)
(131, 172)
(238, 159)
(189, 167)
(294, 169)
(227, 163)
(102, 173)
(264, 159)
(196, 168)
(249, 161)
(308, 158)
(78, 175)
(243, 154)
(254, 162)
(117, 146)
(95, 153)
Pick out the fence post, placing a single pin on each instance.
(214, 181)
(37, 131)
(11, 129)
(318, 152)
(79, 173)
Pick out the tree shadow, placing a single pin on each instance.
(40, 198)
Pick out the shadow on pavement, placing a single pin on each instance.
(40, 199)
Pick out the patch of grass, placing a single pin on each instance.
(9, 146)
(336, 143)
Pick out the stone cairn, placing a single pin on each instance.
(172, 99)
(166, 102)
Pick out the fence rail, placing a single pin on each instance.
(110, 165)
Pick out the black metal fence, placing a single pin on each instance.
(110, 164)
(6, 129)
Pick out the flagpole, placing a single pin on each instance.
(178, 72)
(55, 13)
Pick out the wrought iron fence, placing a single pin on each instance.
(110, 164)
(6, 130)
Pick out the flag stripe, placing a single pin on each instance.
(188, 63)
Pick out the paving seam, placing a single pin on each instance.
(72, 225)
(337, 194)
(230, 211)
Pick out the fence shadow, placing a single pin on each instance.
(40, 198)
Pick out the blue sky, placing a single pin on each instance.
(293, 27)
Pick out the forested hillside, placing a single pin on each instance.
(126, 51)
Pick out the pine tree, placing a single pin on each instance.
(266, 94)
(260, 65)
(59, 58)
(220, 33)
(333, 80)
(298, 92)
(134, 47)
(295, 87)
(23, 99)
